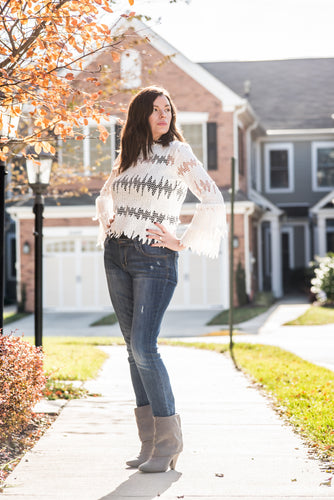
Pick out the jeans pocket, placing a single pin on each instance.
(150, 251)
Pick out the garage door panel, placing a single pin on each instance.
(51, 286)
(75, 276)
(69, 281)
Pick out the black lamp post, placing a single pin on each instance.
(39, 170)
(8, 127)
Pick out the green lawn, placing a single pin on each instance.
(315, 315)
(110, 319)
(240, 314)
(72, 359)
(11, 317)
(302, 391)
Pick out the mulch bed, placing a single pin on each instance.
(11, 452)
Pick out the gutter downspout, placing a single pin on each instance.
(247, 214)
(236, 114)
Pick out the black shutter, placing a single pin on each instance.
(212, 145)
(118, 130)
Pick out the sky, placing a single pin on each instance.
(242, 30)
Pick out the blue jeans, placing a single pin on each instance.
(141, 281)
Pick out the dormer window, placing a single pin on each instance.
(131, 69)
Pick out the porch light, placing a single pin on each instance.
(9, 122)
(38, 171)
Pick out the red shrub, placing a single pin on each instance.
(21, 383)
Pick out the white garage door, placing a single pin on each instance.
(74, 277)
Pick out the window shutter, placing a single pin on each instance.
(212, 145)
(118, 130)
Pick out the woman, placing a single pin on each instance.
(138, 209)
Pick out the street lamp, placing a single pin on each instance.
(9, 121)
(38, 171)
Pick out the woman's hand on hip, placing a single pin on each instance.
(164, 238)
(110, 222)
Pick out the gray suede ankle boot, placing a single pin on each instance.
(167, 444)
(145, 424)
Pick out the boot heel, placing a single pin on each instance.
(173, 461)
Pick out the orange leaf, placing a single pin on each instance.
(69, 76)
(131, 2)
(115, 56)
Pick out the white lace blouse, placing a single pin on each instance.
(154, 190)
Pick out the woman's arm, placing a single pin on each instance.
(104, 208)
(208, 225)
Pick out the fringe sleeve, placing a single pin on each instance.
(104, 208)
(208, 226)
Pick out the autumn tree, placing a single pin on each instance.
(43, 47)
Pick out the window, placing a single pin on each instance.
(279, 168)
(322, 166)
(193, 134)
(71, 151)
(201, 136)
(131, 69)
(100, 153)
(90, 154)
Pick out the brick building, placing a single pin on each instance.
(216, 122)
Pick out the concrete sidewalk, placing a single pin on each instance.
(235, 445)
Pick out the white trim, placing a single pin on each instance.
(60, 212)
(258, 166)
(260, 200)
(321, 203)
(290, 231)
(247, 252)
(190, 117)
(315, 146)
(300, 131)
(249, 156)
(276, 258)
(322, 244)
(194, 118)
(267, 248)
(274, 147)
(228, 98)
(225, 274)
(259, 256)
(69, 231)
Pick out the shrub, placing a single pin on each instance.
(21, 383)
(323, 282)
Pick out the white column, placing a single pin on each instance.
(259, 255)
(247, 254)
(322, 246)
(276, 258)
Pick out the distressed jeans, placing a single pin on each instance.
(141, 281)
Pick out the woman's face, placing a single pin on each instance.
(161, 117)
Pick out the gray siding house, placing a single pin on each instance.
(291, 160)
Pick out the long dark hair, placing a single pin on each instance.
(136, 135)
